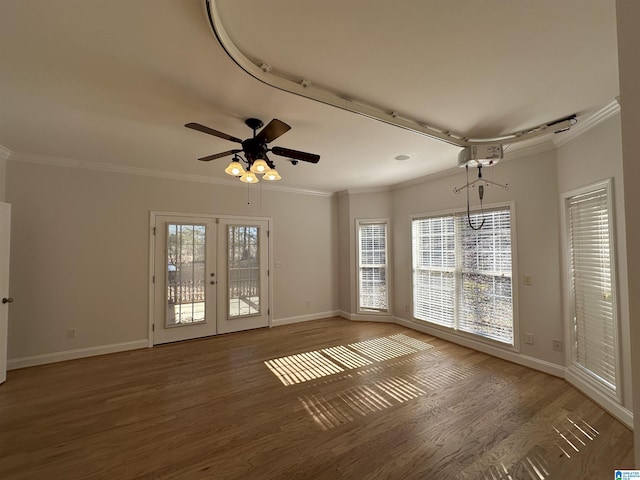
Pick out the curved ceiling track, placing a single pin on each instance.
(305, 88)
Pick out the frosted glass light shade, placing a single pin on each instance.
(272, 175)
(235, 169)
(249, 177)
(260, 166)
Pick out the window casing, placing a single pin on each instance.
(462, 278)
(372, 241)
(592, 315)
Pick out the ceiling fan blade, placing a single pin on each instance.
(211, 131)
(273, 130)
(218, 155)
(296, 155)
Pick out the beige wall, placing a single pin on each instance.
(80, 249)
(358, 205)
(532, 186)
(594, 156)
(628, 13)
(346, 254)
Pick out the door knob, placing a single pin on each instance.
(7, 300)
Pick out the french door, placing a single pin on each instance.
(210, 276)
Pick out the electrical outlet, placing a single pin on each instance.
(406, 308)
(527, 280)
(557, 345)
(72, 333)
(528, 338)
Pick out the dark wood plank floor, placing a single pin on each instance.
(329, 399)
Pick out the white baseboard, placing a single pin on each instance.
(15, 363)
(605, 401)
(608, 403)
(358, 317)
(304, 318)
(524, 360)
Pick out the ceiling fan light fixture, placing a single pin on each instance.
(254, 149)
(272, 175)
(234, 169)
(260, 166)
(249, 177)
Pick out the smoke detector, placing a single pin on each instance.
(480, 155)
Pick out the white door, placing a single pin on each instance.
(243, 255)
(5, 235)
(185, 278)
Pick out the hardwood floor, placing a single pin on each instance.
(329, 399)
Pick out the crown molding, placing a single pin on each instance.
(360, 191)
(147, 172)
(545, 145)
(4, 152)
(541, 146)
(587, 124)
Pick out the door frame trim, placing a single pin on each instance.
(153, 214)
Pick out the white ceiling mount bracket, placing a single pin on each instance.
(480, 155)
(293, 84)
(265, 67)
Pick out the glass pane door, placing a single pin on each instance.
(243, 270)
(186, 274)
(185, 281)
(243, 250)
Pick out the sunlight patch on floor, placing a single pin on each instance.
(574, 435)
(570, 436)
(344, 407)
(306, 366)
(381, 349)
(302, 367)
(346, 357)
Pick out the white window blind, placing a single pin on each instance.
(434, 264)
(485, 302)
(593, 340)
(372, 277)
(461, 276)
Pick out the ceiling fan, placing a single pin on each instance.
(255, 150)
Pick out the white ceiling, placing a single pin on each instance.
(114, 81)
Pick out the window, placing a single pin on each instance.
(462, 276)
(591, 289)
(243, 270)
(372, 266)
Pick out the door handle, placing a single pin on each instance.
(7, 300)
